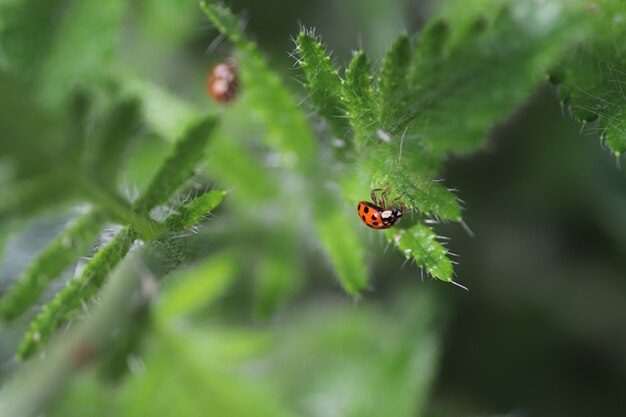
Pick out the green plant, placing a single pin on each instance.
(94, 182)
(435, 94)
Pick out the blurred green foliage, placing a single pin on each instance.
(315, 368)
(108, 134)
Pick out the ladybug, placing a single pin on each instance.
(380, 214)
(222, 81)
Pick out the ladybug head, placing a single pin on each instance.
(397, 212)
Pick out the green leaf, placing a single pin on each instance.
(166, 21)
(343, 245)
(26, 34)
(323, 83)
(429, 50)
(228, 160)
(7, 229)
(290, 134)
(420, 244)
(412, 183)
(372, 360)
(78, 113)
(358, 96)
(49, 264)
(28, 198)
(196, 287)
(278, 274)
(178, 167)
(117, 130)
(41, 382)
(392, 85)
(163, 112)
(115, 205)
(594, 76)
(50, 45)
(64, 305)
(226, 22)
(23, 123)
(186, 376)
(288, 129)
(431, 198)
(191, 213)
(86, 395)
(464, 82)
(85, 44)
(236, 166)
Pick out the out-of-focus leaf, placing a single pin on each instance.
(342, 244)
(55, 258)
(279, 273)
(166, 19)
(51, 45)
(85, 44)
(177, 169)
(196, 287)
(23, 123)
(366, 362)
(237, 168)
(166, 114)
(86, 396)
(117, 131)
(183, 378)
(288, 129)
(30, 197)
(81, 289)
(192, 212)
(26, 34)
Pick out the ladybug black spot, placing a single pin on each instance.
(375, 223)
(374, 216)
(366, 210)
(363, 217)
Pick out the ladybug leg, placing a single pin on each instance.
(396, 199)
(385, 198)
(373, 195)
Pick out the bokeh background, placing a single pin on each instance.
(542, 331)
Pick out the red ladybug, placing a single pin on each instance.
(222, 83)
(380, 214)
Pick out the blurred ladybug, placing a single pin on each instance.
(222, 83)
(380, 214)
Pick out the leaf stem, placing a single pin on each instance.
(148, 229)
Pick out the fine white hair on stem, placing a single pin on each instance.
(467, 229)
(459, 285)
